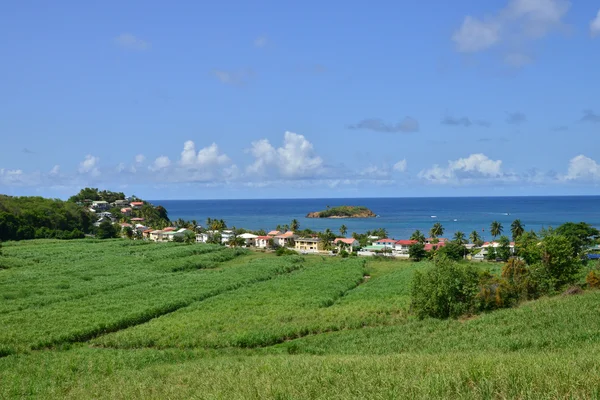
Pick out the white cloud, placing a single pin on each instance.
(207, 157)
(260, 41)
(55, 170)
(121, 167)
(295, 159)
(475, 35)
(11, 176)
(131, 42)
(160, 163)
(474, 167)
(400, 166)
(90, 165)
(516, 25)
(140, 158)
(595, 25)
(235, 78)
(583, 168)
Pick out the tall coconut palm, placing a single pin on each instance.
(418, 236)
(436, 230)
(343, 230)
(475, 238)
(295, 225)
(517, 229)
(496, 229)
(460, 238)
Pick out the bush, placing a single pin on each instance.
(453, 251)
(593, 279)
(344, 254)
(417, 251)
(448, 289)
(282, 251)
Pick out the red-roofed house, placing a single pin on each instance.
(431, 246)
(169, 229)
(126, 211)
(349, 244)
(136, 204)
(284, 239)
(401, 246)
(273, 233)
(137, 219)
(262, 242)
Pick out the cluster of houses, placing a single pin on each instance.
(101, 207)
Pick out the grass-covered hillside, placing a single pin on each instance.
(127, 319)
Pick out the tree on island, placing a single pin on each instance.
(496, 229)
(436, 230)
(418, 236)
(517, 229)
(343, 230)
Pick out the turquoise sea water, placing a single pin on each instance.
(400, 216)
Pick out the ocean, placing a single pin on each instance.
(399, 216)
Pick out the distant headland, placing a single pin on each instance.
(343, 212)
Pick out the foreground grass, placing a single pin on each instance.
(176, 321)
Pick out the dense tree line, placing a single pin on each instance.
(94, 194)
(37, 217)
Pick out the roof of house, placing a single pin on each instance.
(99, 202)
(157, 231)
(406, 242)
(168, 229)
(137, 203)
(248, 236)
(386, 240)
(263, 237)
(286, 235)
(273, 233)
(124, 224)
(125, 209)
(149, 230)
(430, 239)
(312, 240)
(345, 240)
(137, 219)
(182, 230)
(430, 246)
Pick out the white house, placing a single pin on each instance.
(226, 235)
(401, 246)
(284, 239)
(250, 238)
(350, 244)
(100, 205)
(262, 242)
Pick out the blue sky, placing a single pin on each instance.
(313, 99)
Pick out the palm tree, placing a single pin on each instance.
(418, 236)
(436, 230)
(343, 230)
(460, 238)
(295, 225)
(496, 229)
(517, 229)
(475, 238)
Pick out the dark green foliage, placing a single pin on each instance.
(107, 230)
(178, 239)
(344, 211)
(35, 217)
(446, 290)
(503, 250)
(417, 251)
(559, 261)
(283, 251)
(93, 194)
(580, 236)
(452, 250)
(491, 254)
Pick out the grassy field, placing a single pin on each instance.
(121, 319)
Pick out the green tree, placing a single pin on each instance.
(460, 238)
(343, 230)
(295, 225)
(491, 254)
(453, 250)
(559, 260)
(496, 229)
(128, 232)
(517, 229)
(581, 235)
(475, 238)
(436, 230)
(189, 237)
(503, 250)
(418, 236)
(106, 230)
(417, 251)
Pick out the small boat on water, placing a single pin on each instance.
(455, 220)
(434, 216)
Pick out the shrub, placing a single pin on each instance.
(453, 251)
(417, 251)
(282, 251)
(446, 290)
(593, 279)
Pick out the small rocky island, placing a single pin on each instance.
(343, 212)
